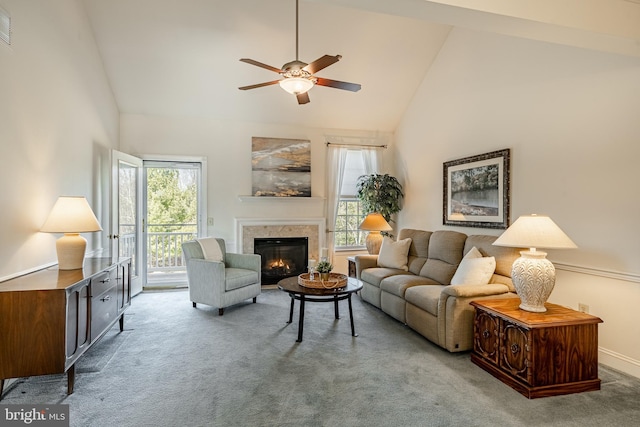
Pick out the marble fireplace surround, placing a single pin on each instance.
(248, 229)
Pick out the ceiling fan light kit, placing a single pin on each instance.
(296, 85)
(298, 77)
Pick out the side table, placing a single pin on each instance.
(536, 354)
(352, 266)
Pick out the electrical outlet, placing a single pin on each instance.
(583, 308)
(210, 221)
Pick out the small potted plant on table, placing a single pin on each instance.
(324, 268)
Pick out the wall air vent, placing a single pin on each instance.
(5, 26)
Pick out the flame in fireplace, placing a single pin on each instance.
(280, 264)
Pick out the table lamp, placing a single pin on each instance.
(71, 216)
(534, 276)
(374, 223)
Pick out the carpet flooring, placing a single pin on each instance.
(178, 366)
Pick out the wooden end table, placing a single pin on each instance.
(303, 294)
(536, 354)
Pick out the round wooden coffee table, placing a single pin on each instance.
(304, 294)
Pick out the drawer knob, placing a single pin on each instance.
(515, 348)
(486, 334)
(107, 280)
(107, 298)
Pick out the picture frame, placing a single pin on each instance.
(476, 191)
(280, 167)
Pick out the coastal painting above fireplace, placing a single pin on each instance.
(280, 167)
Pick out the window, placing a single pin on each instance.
(350, 214)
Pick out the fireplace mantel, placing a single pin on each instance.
(249, 228)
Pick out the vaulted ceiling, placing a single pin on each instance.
(181, 57)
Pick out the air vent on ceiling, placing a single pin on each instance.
(5, 26)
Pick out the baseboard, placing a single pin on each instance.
(619, 361)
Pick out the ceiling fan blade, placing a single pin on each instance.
(303, 98)
(261, 65)
(258, 85)
(353, 87)
(321, 63)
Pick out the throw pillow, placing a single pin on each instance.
(211, 249)
(394, 254)
(474, 269)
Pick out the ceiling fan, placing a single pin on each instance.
(298, 77)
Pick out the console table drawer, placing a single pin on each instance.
(104, 309)
(103, 281)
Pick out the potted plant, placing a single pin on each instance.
(324, 268)
(379, 193)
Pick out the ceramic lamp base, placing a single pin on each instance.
(71, 248)
(534, 277)
(373, 242)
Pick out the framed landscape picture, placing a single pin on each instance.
(280, 167)
(476, 191)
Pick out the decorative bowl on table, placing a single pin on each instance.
(335, 281)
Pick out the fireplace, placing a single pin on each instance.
(282, 257)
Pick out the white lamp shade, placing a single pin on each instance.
(535, 231)
(71, 214)
(375, 222)
(296, 85)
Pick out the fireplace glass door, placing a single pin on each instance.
(282, 257)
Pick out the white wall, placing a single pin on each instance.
(227, 147)
(570, 118)
(58, 120)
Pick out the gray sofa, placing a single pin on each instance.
(423, 298)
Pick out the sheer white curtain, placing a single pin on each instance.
(371, 159)
(336, 159)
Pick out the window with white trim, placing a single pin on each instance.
(350, 214)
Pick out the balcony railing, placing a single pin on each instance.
(164, 248)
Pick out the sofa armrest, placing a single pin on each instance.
(466, 291)
(245, 261)
(365, 261)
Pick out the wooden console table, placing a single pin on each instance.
(537, 354)
(49, 318)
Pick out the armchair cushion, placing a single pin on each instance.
(239, 277)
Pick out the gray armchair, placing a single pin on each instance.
(221, 284)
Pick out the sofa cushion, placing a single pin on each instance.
(394, 254)
(397, 285)
(504, 256)
(474, 269)
(374, 276)
(445, 253)
(419, 248)
(425, 297)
